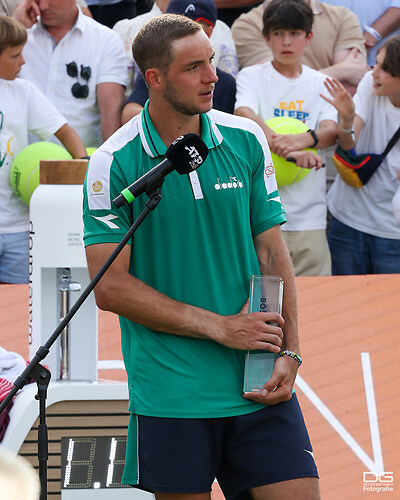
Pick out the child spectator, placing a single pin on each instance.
(336, 49)
(23, 109)
(277, 88)
(363, 235)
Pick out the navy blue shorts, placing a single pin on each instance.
(179, 455)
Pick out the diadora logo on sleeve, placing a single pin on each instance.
(269, 170)
(233, 183)
(97, 188)
(107, 220)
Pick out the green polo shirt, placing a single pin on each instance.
(196, 247)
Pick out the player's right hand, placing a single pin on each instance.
(250, 331)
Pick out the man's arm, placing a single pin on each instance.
(349, 66)
(285, 144)
(123, 294)
(349, 59)
(274, 260)
(304, 159)
(384, 26)
(71, 141)
(110, 97)
(130, 110)
(136, 100)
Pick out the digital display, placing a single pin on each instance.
(94, 462)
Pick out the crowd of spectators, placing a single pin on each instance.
(77, 61)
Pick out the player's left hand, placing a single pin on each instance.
(279, 386)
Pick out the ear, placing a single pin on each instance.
(266, 38)
(208, 29)
(154, 78)
(309, 37)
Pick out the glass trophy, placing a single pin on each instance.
(266, 293)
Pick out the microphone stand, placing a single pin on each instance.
(39, 373)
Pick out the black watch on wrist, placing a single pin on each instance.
(314, 136)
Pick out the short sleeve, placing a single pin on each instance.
(249, 40)
(246, 89)
(363, 96)
(349, 34)
(103, 222)
(113, 64)
(266, 209)
(44, 119)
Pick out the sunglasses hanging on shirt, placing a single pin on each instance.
(78, 90)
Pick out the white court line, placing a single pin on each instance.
(110, 364)
(372, 413)
(375, 465)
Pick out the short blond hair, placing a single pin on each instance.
(18, 479)
(12, 33)
(152, 46)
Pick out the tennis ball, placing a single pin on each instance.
(24, 174)
(90, 151)
(287, 172)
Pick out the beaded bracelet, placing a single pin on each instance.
(292, 355)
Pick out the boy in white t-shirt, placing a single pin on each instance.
(363, 235)
(23, 109)
(285, 87)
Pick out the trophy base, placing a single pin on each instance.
(258, 370)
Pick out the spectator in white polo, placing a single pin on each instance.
(79, 64)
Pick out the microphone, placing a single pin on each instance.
(185, 154)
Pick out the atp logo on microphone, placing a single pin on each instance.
(196, 157)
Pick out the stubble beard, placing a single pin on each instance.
(171, 96)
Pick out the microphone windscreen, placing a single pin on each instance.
(187, 153)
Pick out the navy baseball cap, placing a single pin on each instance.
(198, 10)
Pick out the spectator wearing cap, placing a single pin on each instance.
(205, 13)
(221, 39)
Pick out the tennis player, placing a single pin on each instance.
(180, 289)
